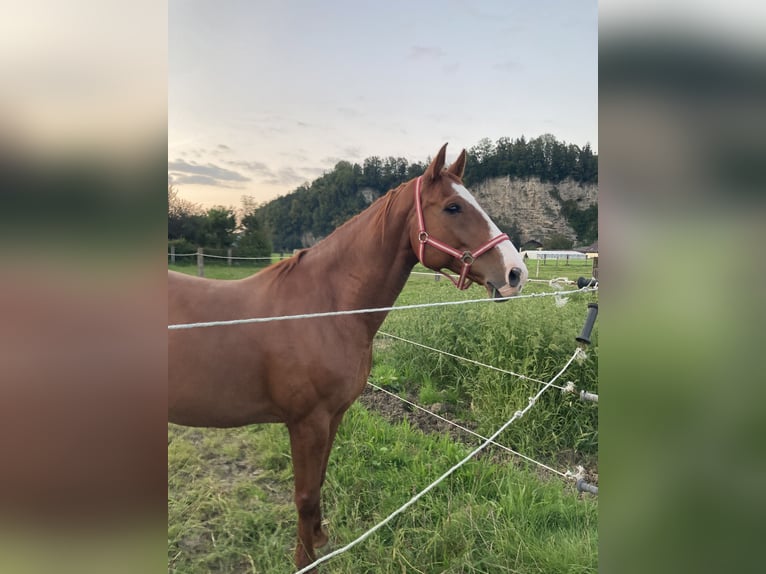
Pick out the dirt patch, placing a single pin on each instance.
(395, 411)
(230, 469)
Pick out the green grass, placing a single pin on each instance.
(532, 337)
(230, 491)
(218, 271)
(233, 513)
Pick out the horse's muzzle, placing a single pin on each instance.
(502, 294)
(516, 280)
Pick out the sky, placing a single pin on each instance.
(266, 95)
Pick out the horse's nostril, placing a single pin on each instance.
(514, 277)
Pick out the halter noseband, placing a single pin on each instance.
(466, 257)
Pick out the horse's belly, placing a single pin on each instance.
(217, 395)
(227, 419)
(208, 408)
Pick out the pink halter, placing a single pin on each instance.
(466, 256)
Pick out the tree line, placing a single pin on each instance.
(217, 228)
(313, 210)
(543, 157)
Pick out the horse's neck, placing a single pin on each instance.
(367, 261)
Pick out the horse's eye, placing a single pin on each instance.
(452, 208)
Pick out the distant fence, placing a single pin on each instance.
(563, 260)
(230, 257)
(227, 256)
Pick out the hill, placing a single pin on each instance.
(541, 189)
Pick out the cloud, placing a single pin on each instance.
(233, 173)
(286, 176)
(349, 112)
(178, 179)
(352, 151)
(314, 172)
(270, 125)
(508, 66)
(251, 166)
(348, 153)
(298, 155)
(426, 53)
(193, 173)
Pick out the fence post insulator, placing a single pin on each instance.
(583, 486)
(584, 336)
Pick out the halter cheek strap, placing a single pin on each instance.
(467, 257)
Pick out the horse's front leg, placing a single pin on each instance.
(320, 533)
(309, 440)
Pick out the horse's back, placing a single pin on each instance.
(190, 297)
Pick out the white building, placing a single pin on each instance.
(554, 255)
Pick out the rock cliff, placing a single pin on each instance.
(534, 208)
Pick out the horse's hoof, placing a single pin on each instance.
(321, 538)
(303, 558)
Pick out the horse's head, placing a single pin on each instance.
(452, 231)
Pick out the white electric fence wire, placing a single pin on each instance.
(517, 415)
(469, 431)
(376, 310)
(227, 257)
(557, 280)
(251, 258)
(518, 375)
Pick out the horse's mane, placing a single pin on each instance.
(388, 201)
(286, 266)
(282, 268)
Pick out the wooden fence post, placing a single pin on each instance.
(595, 267)
(228, 258)
(200, 262)
(173, 254)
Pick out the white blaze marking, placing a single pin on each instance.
(511, 257)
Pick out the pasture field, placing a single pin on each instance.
(230, 503)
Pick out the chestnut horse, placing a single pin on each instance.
(306, 373)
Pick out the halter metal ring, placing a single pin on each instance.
(423, 237)
(467, 258)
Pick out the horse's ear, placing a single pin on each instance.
(458, 167)
(434, 170)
